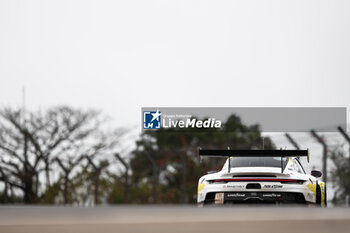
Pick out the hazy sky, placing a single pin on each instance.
(118, 56)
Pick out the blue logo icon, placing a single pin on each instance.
(151, 120)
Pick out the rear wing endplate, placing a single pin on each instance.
(254, 153)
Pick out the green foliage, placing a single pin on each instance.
(173, 151)
(116, 196)
(9, 199)
(140, 193)
(164, 167)
(51, 194)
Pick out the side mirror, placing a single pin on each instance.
(316, 173)
(211, 172)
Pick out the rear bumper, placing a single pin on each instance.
(255, 198)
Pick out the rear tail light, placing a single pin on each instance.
(283, 181)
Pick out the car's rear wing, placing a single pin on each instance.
(254, 153)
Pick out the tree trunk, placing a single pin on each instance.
(126, 187)
(184, 179)
(96, 190)
(29, 195)
(5, 200)
(47, 173)
(155, 183)
(36, 184)
(65, 189)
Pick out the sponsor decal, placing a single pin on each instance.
(152, 119)
(191, 123)
(270, 119)
(219, 198)
(271, 195)
(236, 195)
(157, 118)
(233, 186)
(274, 186)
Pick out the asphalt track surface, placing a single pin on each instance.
(169, 219)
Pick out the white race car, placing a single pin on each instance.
(261, 176)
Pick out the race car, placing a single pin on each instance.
(261, 176)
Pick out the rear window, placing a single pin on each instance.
(257, 162)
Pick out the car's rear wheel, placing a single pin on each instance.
(325, 196)
(318, 195)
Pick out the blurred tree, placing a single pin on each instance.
(164, 167)
(67, 168)
(97, 169)
(31, 143)
(125, 177)
(175, 169)
(144, 164)
(340, 176)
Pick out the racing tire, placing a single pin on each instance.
(318, 195)
(325, 196)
